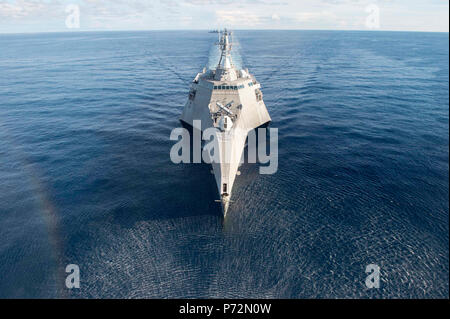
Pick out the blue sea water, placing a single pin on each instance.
(86, 177)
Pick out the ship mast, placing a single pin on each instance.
(225, 45)
(225, 70)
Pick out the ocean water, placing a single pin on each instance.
(86, 177)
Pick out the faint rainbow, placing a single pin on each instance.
(46, 208)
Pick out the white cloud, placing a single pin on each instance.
(315, 16)
(185, 20)
(119, 8)
(24, 9)
(236, 18)
(31, 15)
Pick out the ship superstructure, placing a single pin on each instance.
(230, 100)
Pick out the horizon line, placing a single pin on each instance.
(202, 30)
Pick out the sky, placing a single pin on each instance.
(22, 16)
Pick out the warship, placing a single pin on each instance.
(229, 100)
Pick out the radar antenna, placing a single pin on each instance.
(225, 46)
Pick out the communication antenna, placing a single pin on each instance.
(225, 46)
